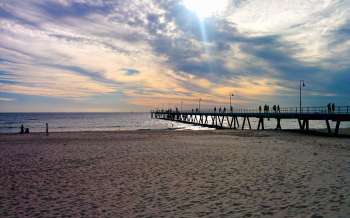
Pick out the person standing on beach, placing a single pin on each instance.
(22, 129)
(47, 129)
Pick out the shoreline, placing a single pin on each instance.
(344, 132)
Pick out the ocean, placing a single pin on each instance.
(67, 122)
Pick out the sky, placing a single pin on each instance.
(137, 55)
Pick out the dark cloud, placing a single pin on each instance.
(74, 9)
(96, 76)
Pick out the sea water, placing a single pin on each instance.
(65, 122)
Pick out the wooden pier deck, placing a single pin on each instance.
(217, 119)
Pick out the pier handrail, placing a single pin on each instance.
(284, 110)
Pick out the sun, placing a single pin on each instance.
(206, 8)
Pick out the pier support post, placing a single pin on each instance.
(243, 123)
(328, 127)
(301, 124)
(307, 125)
(250, 127)
(337, 127)
(221, 121)
(278, 127)
(229, 122)
(212, 120)
(261, 123)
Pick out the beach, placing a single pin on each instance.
(167, 173)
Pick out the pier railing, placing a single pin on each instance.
(289, 110)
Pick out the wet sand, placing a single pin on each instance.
(174, 174)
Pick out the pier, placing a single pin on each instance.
(228, 119)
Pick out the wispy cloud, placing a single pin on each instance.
(161, 50)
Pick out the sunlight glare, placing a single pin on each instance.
(206, 8)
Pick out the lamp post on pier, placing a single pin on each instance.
(301, 84)
(231, 95)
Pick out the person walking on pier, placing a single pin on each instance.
(278, 109)
(274, 108)
(333, 107)
(329, 107)
(231, 108)
(259, 108)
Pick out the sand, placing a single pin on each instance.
(174, 174)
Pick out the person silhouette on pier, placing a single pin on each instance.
(220, 110)
(278, 109)
(259, 108)
(231, 108)
(224, 109)
(214, 109)
(274, 108)
(329, 107)
(333, 107)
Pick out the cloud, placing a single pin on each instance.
(260, 49)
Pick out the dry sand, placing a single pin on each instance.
(174, 174)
